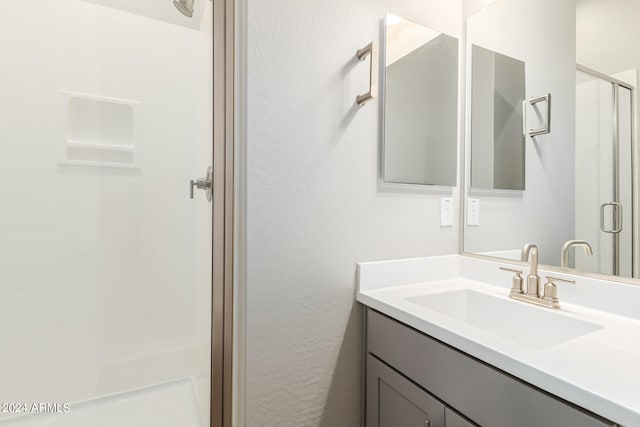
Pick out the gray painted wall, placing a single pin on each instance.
(497, 144)
(508, 155)
(481, 137)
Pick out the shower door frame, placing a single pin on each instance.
(222, 304)
(615, 86)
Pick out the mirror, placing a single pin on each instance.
(497, 140)
(420, 104)
(581, 176)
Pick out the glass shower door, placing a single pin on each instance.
(105, 262)
(603, 175)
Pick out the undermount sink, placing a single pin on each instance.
(529, 326)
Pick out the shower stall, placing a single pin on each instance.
(605, 171)
(114, 294)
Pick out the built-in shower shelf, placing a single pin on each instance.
(100, 131)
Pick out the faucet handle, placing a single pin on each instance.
(551, 279)
(517, 281)
(551, 290)
(514, 270)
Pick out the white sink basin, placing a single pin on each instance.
(527, 325)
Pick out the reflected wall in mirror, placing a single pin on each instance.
(420, 104)
(497, 140)
(582, 180)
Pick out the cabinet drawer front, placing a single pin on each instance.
(451, 419)
(480, 392)
(394, 401)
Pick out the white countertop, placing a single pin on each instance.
(599, 371)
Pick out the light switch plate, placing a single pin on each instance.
(473, 211)
(446, 212)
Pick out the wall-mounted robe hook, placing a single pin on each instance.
(370, 50)
(534, 101)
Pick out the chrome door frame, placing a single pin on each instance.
(615, 86)
(222, 328)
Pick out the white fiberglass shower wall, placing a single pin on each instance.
(105, 263)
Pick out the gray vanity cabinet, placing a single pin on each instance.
(412, 378)
(394, 401)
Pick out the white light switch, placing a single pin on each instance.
(446, 212)
(473, 211)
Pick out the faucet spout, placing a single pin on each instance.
(533, 295)
(564, 262)
(530, 253)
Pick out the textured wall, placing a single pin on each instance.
(313, 205)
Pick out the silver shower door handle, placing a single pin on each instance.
(618, 218)
(205, 183)
(533, 101)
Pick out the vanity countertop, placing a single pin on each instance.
(598, 370)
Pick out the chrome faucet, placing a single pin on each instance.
(549, 297)
(530, 252)
(564, 262)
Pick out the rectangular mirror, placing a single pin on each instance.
(497, 139)
(580, 201)
(420, 104)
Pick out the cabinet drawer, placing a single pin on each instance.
(452, 419)
(394, 401)
(480, 392)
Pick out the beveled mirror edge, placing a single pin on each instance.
(463, 111)
(386, 186)
(464, 169)
(556, 269)
(497, 192)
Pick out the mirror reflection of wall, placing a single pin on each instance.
(544, 211)
(420, 105)
(497, 140)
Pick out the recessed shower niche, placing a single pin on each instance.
(101, 131)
